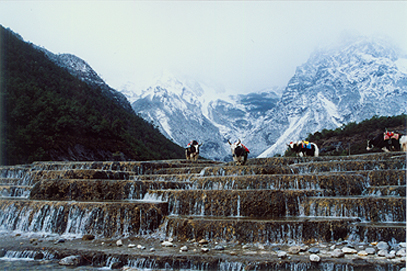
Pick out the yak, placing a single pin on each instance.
(304, 148)
(239, 152)
(192, 150)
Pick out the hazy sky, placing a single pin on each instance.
(239, 46)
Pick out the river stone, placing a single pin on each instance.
(382, 246)
(184, 248)
(294, 250)
(313, 250)
(370, 250)
(88, 237)
(402, 244)
(119, 243)
(204, 249)
(304, 248)
(382, 253)
(219, 247)
(203, 242)
(60, 241)
(117, 265)
(362, 253)
(391, 254)
(401, 252)
(70, 261)
(348, 250)
(314, 258)
(131, 246)
(337, 253)
(282, 254)
(167, 244)
(260, 246)
(39, 256)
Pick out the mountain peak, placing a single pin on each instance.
(349, 82)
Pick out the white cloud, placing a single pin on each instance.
(240, 46)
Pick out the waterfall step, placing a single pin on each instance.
(387, 190)
(178, 170)
(333, 184)
(138, 167)
(18, 191)
(340, 183)
(165, 177)
(103, 219)
(228, 170)
(385, 177)
(398, 162)
(276, 161)
(370, 232)
(14, 171)
(229, 203)
(11, 181)
(98, 190)
(37, 175)
(286, 230)
(267, 202)
(367, 208)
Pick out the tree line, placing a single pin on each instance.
(45, 111)
(352, 138)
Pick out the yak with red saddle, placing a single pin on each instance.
(388, 141)
(239, 152)
(304, 148)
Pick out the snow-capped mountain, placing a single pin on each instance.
(82, 70)
(349, 83)
(176, 108)
(182, 112)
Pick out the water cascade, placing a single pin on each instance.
(245, 214)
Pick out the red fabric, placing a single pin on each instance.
(245, 148)
(389, 135)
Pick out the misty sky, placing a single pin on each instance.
(238, 46)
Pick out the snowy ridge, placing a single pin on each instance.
(350, 83)
(82, 70)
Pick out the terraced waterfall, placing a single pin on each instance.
(325, 213)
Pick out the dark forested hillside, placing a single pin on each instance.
(48, 114)
(352, 138)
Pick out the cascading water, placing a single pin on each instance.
(221, 204)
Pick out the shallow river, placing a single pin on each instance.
(28, 265)
(20, 265)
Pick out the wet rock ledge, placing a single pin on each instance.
(287, 213)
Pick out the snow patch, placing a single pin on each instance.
(331, 108)
(401, 64)
(292, 134)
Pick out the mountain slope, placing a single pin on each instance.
(48, 114)
(351, 138)
(174, 108)
(80, 69)
(349, 83)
